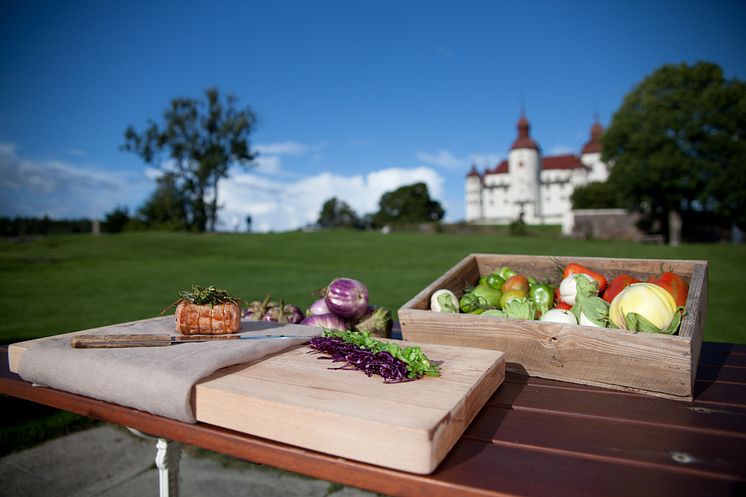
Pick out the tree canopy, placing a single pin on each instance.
(408, 204)
(338, 214)
(677, 144)
(202, 140)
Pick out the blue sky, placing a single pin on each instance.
(354, 98)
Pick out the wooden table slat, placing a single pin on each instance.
(668, 448)
(621, 407)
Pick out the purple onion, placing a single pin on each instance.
(347, 298)
(318, 307)
(329, 321)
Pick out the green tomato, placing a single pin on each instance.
(505, 272)
(470, 302)
(532, 281)
(542, 296)
(489, 294)
(495, 281)
(511, 295)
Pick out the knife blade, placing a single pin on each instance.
(144, 340)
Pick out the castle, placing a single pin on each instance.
(531, 187)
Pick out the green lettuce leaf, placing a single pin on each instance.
(585, 288)
(520, 309)
(595, 309)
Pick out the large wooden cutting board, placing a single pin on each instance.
(295, 398)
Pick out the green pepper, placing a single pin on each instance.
(542, 296)
(505, 272)
(495, 281)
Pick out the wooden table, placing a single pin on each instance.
(534, 437)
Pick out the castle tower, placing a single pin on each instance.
(474, 210)
(591, 155)
(524, 168)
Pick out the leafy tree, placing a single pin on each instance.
(167, 207)
(338, 214)
(596, 195)
(677, 144)
(116, 220)
(408, 204)
(202, 139)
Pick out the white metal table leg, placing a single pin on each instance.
(167, 460)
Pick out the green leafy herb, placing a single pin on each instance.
(207, 295)
(417, 363)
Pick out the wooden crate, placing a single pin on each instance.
(650, 363)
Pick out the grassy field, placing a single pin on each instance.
(58, 284)
(64, 283)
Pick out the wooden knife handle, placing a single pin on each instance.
(117, 341)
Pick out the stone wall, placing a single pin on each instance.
(602, 224)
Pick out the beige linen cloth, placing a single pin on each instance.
(158, 380)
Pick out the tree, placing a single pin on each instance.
(408, 204)
(338, 214)
(203, 139)
(596, 195)
(116, 220)
(167, 207)
(677, 145)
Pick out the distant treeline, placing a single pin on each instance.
(21, 226)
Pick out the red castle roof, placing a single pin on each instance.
(524, 139)
(594, 144)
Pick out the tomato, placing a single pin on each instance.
(561, 305)
(675, 285)
(516, 282)
(511, 295)
(574, 268)
(617, 285)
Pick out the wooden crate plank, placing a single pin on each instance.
(625, 443)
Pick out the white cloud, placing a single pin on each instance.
(442, 158)
(59, 189)
(282, 148)
(281, 205)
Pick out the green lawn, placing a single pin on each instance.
(58, 284)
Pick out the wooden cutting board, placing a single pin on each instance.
(293, 397)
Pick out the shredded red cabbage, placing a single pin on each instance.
(382, 363)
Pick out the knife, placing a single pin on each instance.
(143, 340)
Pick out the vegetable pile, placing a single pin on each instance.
(360, 351)
(344, 305)
(276, 312)
(583, 297)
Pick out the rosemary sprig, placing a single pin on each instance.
(199, 295)
(206, 295)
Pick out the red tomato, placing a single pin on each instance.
(617, 285)
(561, 305)
(675, 285)
(517, 282)
(574, 268)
